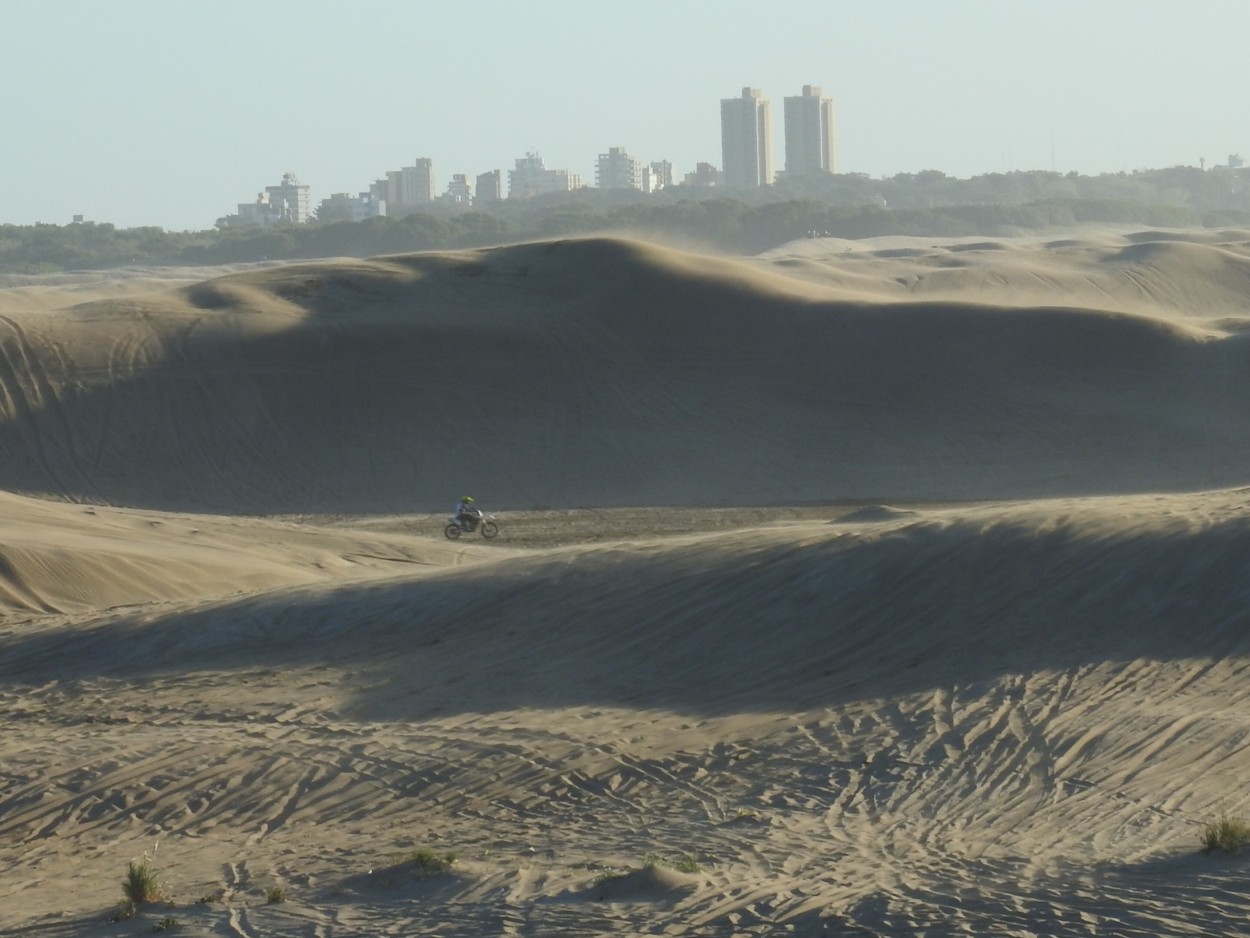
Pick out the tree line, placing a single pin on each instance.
(741, 221)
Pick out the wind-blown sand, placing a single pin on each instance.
(903, 584)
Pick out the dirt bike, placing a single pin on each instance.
(468, 524)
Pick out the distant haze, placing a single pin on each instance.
(139, 112)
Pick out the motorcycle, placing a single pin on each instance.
(485, 523)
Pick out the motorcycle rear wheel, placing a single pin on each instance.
(452, 531)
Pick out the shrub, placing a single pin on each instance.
(1226, 834)
(275, 894)
(686, 863)
(424, 863)
(142, 883)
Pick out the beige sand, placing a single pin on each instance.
(901, 583)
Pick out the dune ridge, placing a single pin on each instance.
(601, 372)
(883, 588)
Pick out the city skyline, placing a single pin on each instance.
(139, 112)
(746, 149)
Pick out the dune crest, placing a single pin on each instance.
(602, 372)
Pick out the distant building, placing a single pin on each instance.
(489, 188)
(704, 175)
(809, 133)
(618, 170)
(658, 175)
(367, 206)
(286, 202)
(250, 213)
(458, 191)
(334, 209)
(405, 190)
(380, 190)
(394, 186)
(343, 207)
(290, 200)
(417, 182)
(746, 135)
(531, 177)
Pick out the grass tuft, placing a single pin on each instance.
(276, 894)
(686, 863)
(142, 883)
(423, 863)
(1225, 834)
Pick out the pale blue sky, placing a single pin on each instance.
(169, 112)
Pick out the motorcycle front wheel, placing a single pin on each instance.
(489, 529)
(452, 531)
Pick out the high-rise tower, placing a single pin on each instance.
(618, 170)
(809, 133)
(745, 135)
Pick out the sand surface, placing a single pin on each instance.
(896, 587)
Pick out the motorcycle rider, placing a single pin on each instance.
(466, 515)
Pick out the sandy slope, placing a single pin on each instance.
(1002, 716)
(601, 373)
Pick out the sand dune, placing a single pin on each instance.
(600, 373)
(67, 558)
(989, 679)
(1169, 274)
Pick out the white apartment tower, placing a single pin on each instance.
(403, 190)
(618, 170)
(290, 200)
(459, 192)
(809, 133)
(531, 177)
(416, 182)
(746, 134)
(657, 176)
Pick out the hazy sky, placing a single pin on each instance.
(169, 112)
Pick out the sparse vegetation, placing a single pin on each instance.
(143, 883)
(423, 863)
(166, 923)
(686, 863)
(1225, 834)
(607, 876)
(276, 894)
